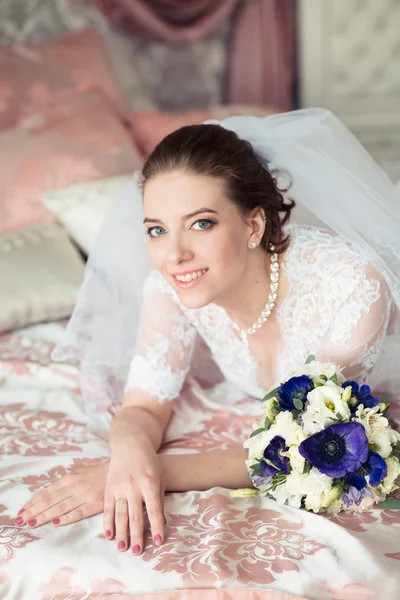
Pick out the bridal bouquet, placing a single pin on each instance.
(323, 443)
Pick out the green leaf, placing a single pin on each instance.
(323, 377)
(385, 399)
(298, 404)
(334, 379)
(256, 432)
(271, 394)
(256, 471)
(339, 416)
(267, 423)
(392, 504)
(307, 467)
(255, 466)
(396, 450)
(310, 358)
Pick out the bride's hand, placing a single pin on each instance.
(74, 497)
(135, 476)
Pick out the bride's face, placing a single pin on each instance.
(197, 238)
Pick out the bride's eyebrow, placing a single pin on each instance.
(185, 218)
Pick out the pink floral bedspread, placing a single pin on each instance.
(215, 547)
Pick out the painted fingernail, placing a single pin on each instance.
(136, 549)
(157, 540)
(56, 521)
(18, 521)
(32, 522)
(21, 511)
(108, 533)
(121, 546)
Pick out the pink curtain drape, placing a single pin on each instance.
(261, 66)
(261, 53)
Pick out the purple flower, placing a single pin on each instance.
(355, 496)
(337, 450)
(293, 393)
(375, 467)
(360, 395)
(352, 496)
(261, 480)
(273, 454)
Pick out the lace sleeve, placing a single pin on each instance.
(355, 337)
(165, 343)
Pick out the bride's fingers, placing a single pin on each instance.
(55, 512)
(78, 514)
(45, 498)
(109, 515)
(42, 506)
(121, 523)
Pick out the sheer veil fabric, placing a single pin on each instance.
(336, 184)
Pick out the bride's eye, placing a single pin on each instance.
(203, 224)
(155, 231)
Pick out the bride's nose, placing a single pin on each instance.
(178, 250)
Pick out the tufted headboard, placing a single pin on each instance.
(350, 63)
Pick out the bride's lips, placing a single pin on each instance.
(192, 282)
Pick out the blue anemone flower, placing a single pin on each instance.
(375, 467)
(294, 391)
(273, 454)
(360, 395)
(337, 450)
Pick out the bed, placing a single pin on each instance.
(215, 548)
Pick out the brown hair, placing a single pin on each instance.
(218, 152)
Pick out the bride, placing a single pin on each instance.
(234, 266)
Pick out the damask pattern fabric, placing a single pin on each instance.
(244, 549)
(78, 142)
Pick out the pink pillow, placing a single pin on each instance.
(34, 77)
(81, 142)
(149, 128)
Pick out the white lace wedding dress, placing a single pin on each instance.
(337, 307)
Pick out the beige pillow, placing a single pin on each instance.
(81, 207)
(40, 274)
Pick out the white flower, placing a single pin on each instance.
(297, 461)
(257, 444)
(315, 369)
(335, 507)
(380, 441)
(388, 485)
(284, 426)
(318, 487)
(313, 502)
(380, 435)
(317, 483)
(332, 495)
(290, 492)
(271, 408)
(325, 403)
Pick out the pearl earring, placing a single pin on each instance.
(253, 244)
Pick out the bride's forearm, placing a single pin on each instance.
(221, 468)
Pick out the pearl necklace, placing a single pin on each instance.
(274, 283)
